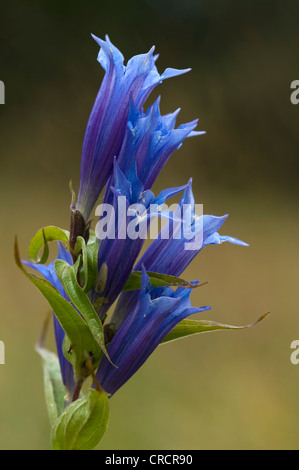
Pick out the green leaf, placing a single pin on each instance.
(68, 277)
(156, 280)
(54, 388)
(41, 239)
(82, 342)
(90, 260)
(193, 327)
(83, 423)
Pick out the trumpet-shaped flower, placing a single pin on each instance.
(150, 140)
(107, 124)
(124, 151)
(167, 254)
(145, 327)
(129, 219)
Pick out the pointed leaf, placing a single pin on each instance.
(81, 340)
(193, 327)
(68, 277)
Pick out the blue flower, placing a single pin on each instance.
(150, 140)
(49, 273)
(167, 254)
(119, 249)
(144, 328)
(122, 86)
(148, 143)
(125, 149)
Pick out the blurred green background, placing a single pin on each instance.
(226, 390)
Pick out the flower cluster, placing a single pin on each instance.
(125, 148)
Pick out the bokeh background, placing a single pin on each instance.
(225, 390)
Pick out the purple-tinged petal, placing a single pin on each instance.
(106, 128)
(216, 239)
(150, 140)
(141, 333)
(167, 254)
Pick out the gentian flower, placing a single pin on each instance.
(144, 143)
(125, 148)
(167, 254)
(118, 252)
(122, 85)
(144, 328)
(149, 141)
